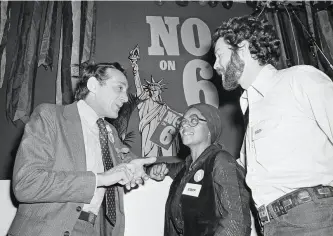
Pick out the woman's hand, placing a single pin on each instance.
(136, 167)
(158, 172)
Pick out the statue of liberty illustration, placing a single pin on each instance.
(151, 110)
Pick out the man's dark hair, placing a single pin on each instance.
(264, 45)
(99, 71)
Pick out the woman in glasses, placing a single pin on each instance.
(207, 196)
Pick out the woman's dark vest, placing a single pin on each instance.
(189, 215)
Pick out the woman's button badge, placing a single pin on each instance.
(110, 135)
(199, 175)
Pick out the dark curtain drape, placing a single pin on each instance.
(77, 46)
(39, 23)
(323, 23)
(24, 65)
(306, 33)
(4, 28)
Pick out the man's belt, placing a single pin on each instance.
(300, 196)
(88, 216)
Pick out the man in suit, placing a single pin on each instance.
(71, 163)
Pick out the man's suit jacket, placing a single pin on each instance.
(50, 179)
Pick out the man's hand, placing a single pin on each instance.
(136, 167)
(158, 172)
(118, 174)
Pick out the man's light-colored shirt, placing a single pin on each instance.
(289, 138)
(93, 151)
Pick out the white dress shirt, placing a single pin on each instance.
(289, 138)
(93, 151)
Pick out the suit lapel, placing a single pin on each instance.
(74, 134)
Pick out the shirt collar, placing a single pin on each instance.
(265, 80)
(87, 113)
(263, 83)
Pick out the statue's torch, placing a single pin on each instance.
(134, 56)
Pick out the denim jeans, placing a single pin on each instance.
(314, 218)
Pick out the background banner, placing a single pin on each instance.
(166, 51)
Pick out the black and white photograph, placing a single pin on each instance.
(166, 118)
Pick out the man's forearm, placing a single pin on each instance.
(43, 185)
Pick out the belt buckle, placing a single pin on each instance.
(263, 215)
(323, 191)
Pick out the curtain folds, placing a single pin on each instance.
(76, 46)
(4, 28)
(48, 39)
(306, 34)
(41, 25)
(24, 65)
(324, 23)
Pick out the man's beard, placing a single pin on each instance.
(232, 73)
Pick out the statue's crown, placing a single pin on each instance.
(152, 83)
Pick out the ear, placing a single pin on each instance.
(243, 50)
(92, 84)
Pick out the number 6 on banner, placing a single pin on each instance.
(167, 135)
(193, 87)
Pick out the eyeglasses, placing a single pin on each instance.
(193, 121)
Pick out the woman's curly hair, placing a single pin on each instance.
(264, 45)
(99, 71)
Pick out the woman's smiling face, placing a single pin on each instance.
(194, 129)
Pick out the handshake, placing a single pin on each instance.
(128, 174)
